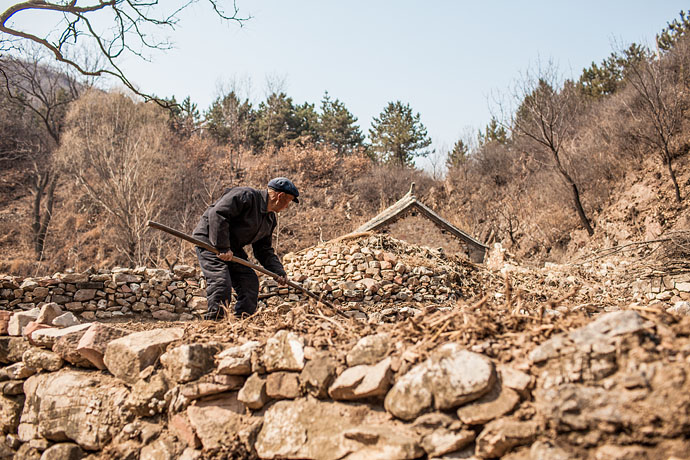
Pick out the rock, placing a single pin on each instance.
(190, 454)
(500, 436)
(496, 403)
(12, 387)
(19, 371)
(82, 295)
(189, 362)
(127, 356)
(63, 451)
(237, 360)
(544, 451)
(199, 389)
(514, 379)
(680, 308)
(31, 327)
(10, 412)
(317, 376)
(12, 349)
(183, 430)
(282, 385)
(450, 377)
(66, 347)
(363, 381)
(369, 350)
(147, 398)
(253, 393)
(47, 337)
(284, 352)
(66, 320)
(42, 359)
(62, 404)
(184, 271)
(607, 326)
(218, 422)
(443, 441)
(160, 449)
(48, 313)
(296, 429)
(94, 341)
(19, 320)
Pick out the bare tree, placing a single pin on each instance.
(44, 92)
(546, 118)
(658, 105)
(113, 29)
(118, 150)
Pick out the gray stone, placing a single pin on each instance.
(317, 376)
(496, 403)
(219, 421)
(312, 429)
(363, 381)
(284, 352)
(127, 356)
(19, 320)
(443, 441)
(95, 340)
(83, 295)
(369, 350)
(451, 376)
(237, 360)
(63, 451)
(160, 449)
(47, 337)
(10, 412)
(66, 320)
(61, 404)
(607, 326)
(48, 313)
(42, 359)
(253, 393)
(19, 371)
(680, 308)
(147, 397)
(189, 362)
(66, 347)
(12, 349)
(500, 436)
(282, 385)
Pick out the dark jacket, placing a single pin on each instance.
(240, 217)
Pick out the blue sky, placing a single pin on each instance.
(444, 58)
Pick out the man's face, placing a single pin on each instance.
(284, 200)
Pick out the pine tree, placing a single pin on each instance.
(398, 136)
(458, 155)
(669, 35)
(494, 132)
(275, 122)
(337, 127)
(602, 80)
(229, 119)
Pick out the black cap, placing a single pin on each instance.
(283, 184)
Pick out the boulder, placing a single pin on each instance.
(363, 381)
(42, 359)
(220, 421)
(19, 320)
(127, 356)
(253, 393)
(199, 389)
(183, 430)
(451, 376)
(189, 362)
(147, 397)
(48, 313)
(66, 348)
(63, 451)
(317, 375)
(18, 371)
(66, 320)
(92, 344)
(284, 352)
(369, 350)
(10, 412)
(496, 403)
(312, 429)
(237, 360)
(47, 337)
(70, 405)
(33, 326)
(12, 349)
(160, 449)
(443, 441)
(500, 436)
(282, 385)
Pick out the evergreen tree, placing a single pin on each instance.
(228, 120)
(398, 136)
(337, 127)
(494, 132)
(669, 35)
(606, 78)
(457, 156)
(275, 122)
(184, 117)
(305, 123)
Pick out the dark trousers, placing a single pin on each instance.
(221, 277)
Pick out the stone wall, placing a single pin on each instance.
(101, 392)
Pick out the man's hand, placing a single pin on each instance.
(282, 280)
(226, 256)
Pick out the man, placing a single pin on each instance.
(242, 216)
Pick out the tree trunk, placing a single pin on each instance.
(45, 221)
(667, 157)
(576, 193)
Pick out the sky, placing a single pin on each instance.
(448, 59)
